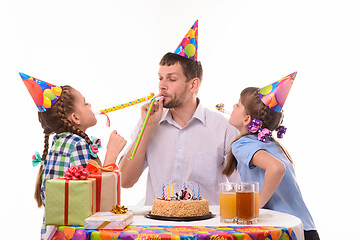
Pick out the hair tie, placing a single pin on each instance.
(94, 148)
(36, 159)
(263, 134)
(281, 130)
(255, 127)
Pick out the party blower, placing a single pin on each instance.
(121, 106)
(220, 108)
(141, 131)
(128, 104)
(124, 105)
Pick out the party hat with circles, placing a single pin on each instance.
(189, 45)
(275, 94)
(43, 93)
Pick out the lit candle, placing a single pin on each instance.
(172, 190)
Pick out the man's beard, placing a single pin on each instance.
(177, 101)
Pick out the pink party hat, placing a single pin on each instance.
(275, 94)
(44, 94)
(189, 45)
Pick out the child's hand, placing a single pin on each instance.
(115, 145)
(116, 142)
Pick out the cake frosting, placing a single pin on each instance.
(183, 204)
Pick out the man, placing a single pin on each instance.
(185, 142)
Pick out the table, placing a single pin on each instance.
(271, 225)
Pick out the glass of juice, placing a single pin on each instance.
(257, 209)
(228, 202)
(245, 203)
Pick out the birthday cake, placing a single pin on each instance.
(183, 204)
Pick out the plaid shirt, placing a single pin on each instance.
(68, 149)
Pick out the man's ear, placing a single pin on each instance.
(74, 119)
(195, 84)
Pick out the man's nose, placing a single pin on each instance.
(162, 85)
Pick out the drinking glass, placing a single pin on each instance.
(257, 209)
(228, 202)
(245, 203)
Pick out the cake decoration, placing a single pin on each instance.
(184, 203)
(183, 194)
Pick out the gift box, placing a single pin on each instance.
(69, 202)
(107, 185)
(108, 220)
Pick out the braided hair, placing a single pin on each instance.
(256, 109)
(54, 120)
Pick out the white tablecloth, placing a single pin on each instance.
(266, 218)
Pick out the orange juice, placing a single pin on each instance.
(245, 205)
(256, 205)
(228, 205)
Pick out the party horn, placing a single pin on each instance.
(220, 108)
(124, 105)
(138, 139)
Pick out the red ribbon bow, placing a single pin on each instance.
(76, 173)
(93, 166)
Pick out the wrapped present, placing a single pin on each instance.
(107, 185)
(108, 220)
(69, 202)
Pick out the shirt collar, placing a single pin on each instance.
(198, 114)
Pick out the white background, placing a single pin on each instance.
(109, 50)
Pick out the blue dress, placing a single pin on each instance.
(287, 197)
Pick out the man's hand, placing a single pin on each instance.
(155, 114)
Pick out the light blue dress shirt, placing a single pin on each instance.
(193, 155)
